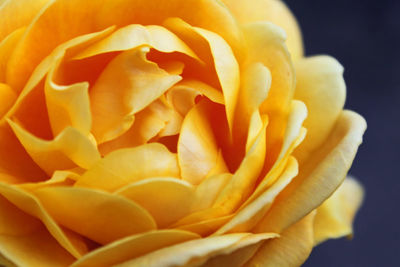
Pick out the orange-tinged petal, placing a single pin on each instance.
(266, 44)
(203, 227)
(197, 146)
(248, 216)
(26, 10)
(274, 11)
(7, 98)
(126, 166)
(98, 215)
(292, 248)
(235, 259)
(132, 247)
(29, 204)
(6, 47)
(136, 82)
(321, 87)
(38, 248)
(197, 252)
(59, 178)
(69, 19)
(166, 199)
(335, 216)
(319, 177)
(67, 105)
(68, 150)
(210, 92)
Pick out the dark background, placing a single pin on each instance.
(365, 37)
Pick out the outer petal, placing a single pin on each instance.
(6, 47)
(274, 11)
(132, 247)
(335, 216)
(197, 252)
(321, 87)
(319, 177)
(292, 248)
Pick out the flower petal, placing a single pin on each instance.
(335, 216)
(166, 199)
(319, 177)
(292, 248)
(274, 11)
(68, 149)
(6, 47)
(98, 215)
(125, 166)
(196, 252)
(321, 87)
(198, 150)
(69, 19)
(29, 204)
(7, 98)
(132, 247)
(136, 81)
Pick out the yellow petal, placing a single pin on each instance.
(67, 105)
(203, 227)
(68, 21)
(274, 11)
(60, 178)
(292, 248)
(68, 149)
(38, 248)
(166, 199)
(266, 44)
(126, 166)
(248, 216)
(136, 81)
(212, 93)
(321, 87)
(235, 259)
(13, 156)
(196, 252)
(225, 63)
(134, 36)
(98, 215)
(7, 98)
(6, 47)
(319, 177)
(132, 247)
(29, 204)
(26, 11)
(197, 146)
(335, 216)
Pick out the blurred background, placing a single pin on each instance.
(365, 37)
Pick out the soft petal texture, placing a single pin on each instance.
(266, 44)
(7, 98)
(197, 252)
(132, 247)
(274, 11)
(321, 87)
(69, 149)
(136, 82)
(6, 47)
(68, 23)
(319, 177)
(126, 166)
(98, 215)
(166, 199)
(235, 259)
(292, 248)
(335, 216)
(29, 204)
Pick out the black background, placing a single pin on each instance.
(365, 37)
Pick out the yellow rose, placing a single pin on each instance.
(168, 133)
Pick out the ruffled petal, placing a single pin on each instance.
(321, 87)
(98, 215)
(132, 247)
(126, 166)
(335, 216)
(292, 248)
(319, 177)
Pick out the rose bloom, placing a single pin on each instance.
(169, 133)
